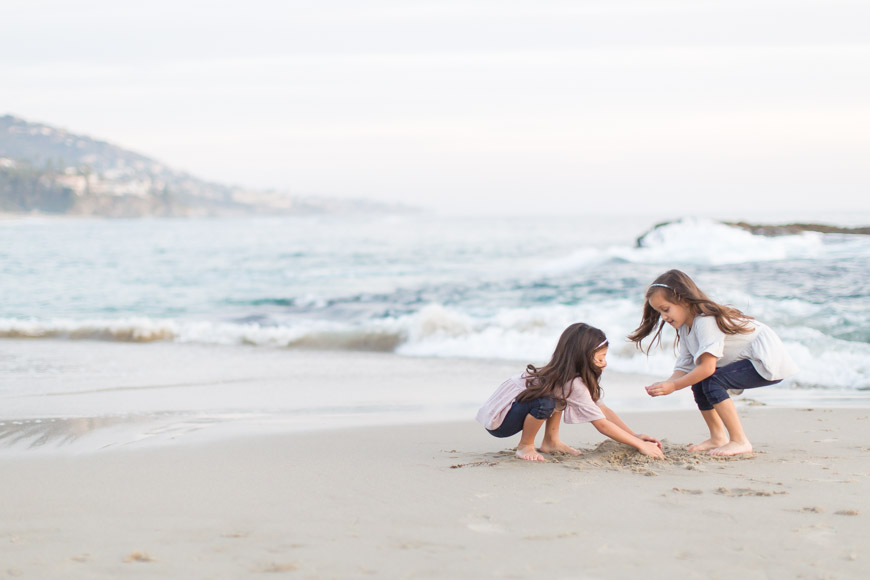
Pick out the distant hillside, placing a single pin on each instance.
(44, 169)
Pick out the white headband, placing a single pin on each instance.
(660, 286)
(602, 344)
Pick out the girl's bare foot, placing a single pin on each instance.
(529, 453)
(707, 445)
(559, 447)
(732, 448)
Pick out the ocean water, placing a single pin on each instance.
(418, 286)
(421, 286)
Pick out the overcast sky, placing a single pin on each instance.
(544, 106)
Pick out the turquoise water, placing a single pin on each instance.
(423, 286)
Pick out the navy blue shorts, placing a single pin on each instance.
(738, 375)
(541, 408)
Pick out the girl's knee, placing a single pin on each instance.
(543, 408)
(715, 390)
(701, 399)
(502, 433)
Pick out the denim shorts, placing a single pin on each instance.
(738, 375)
(541, 408)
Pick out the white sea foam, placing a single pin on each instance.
(827, 362)
(475, 289)
(582, 258)
(530, 335)
(378, 335)
(701, 241)
(521, 334)
(135, 329)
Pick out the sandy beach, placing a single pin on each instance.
(446, 500)
(258, 275)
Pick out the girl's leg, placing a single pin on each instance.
(526, 417)
(526, 449)
(738, 442)
(552, 443)
(718, 434)
(737, 375)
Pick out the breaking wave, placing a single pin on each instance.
(698, 241)
(478, 290)
(525, 335)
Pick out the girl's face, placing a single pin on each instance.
(600, 358)
(674, 314)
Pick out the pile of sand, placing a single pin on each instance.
(612, 455)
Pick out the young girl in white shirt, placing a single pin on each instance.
(721, 351)
(566, 387)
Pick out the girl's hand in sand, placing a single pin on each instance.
(651, 450)
(645, 437)
(662, 388)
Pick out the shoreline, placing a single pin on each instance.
(448, 500)
(85, 396)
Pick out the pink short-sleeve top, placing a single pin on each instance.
(580, 408)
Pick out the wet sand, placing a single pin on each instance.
(446, 500)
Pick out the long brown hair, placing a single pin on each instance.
(574, 357)
(678, 288)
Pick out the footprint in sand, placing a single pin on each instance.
(746, 491)
(812, 510)
(276, 567)
(483, 525)
(138, 557)
(821, 534)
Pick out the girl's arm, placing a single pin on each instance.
(680, 380)
(619, 431)
(611, 416)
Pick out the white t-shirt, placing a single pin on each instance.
(762, 347)
(579, 408)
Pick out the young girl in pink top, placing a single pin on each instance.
(566, 387)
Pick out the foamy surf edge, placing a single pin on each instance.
(436, 331)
